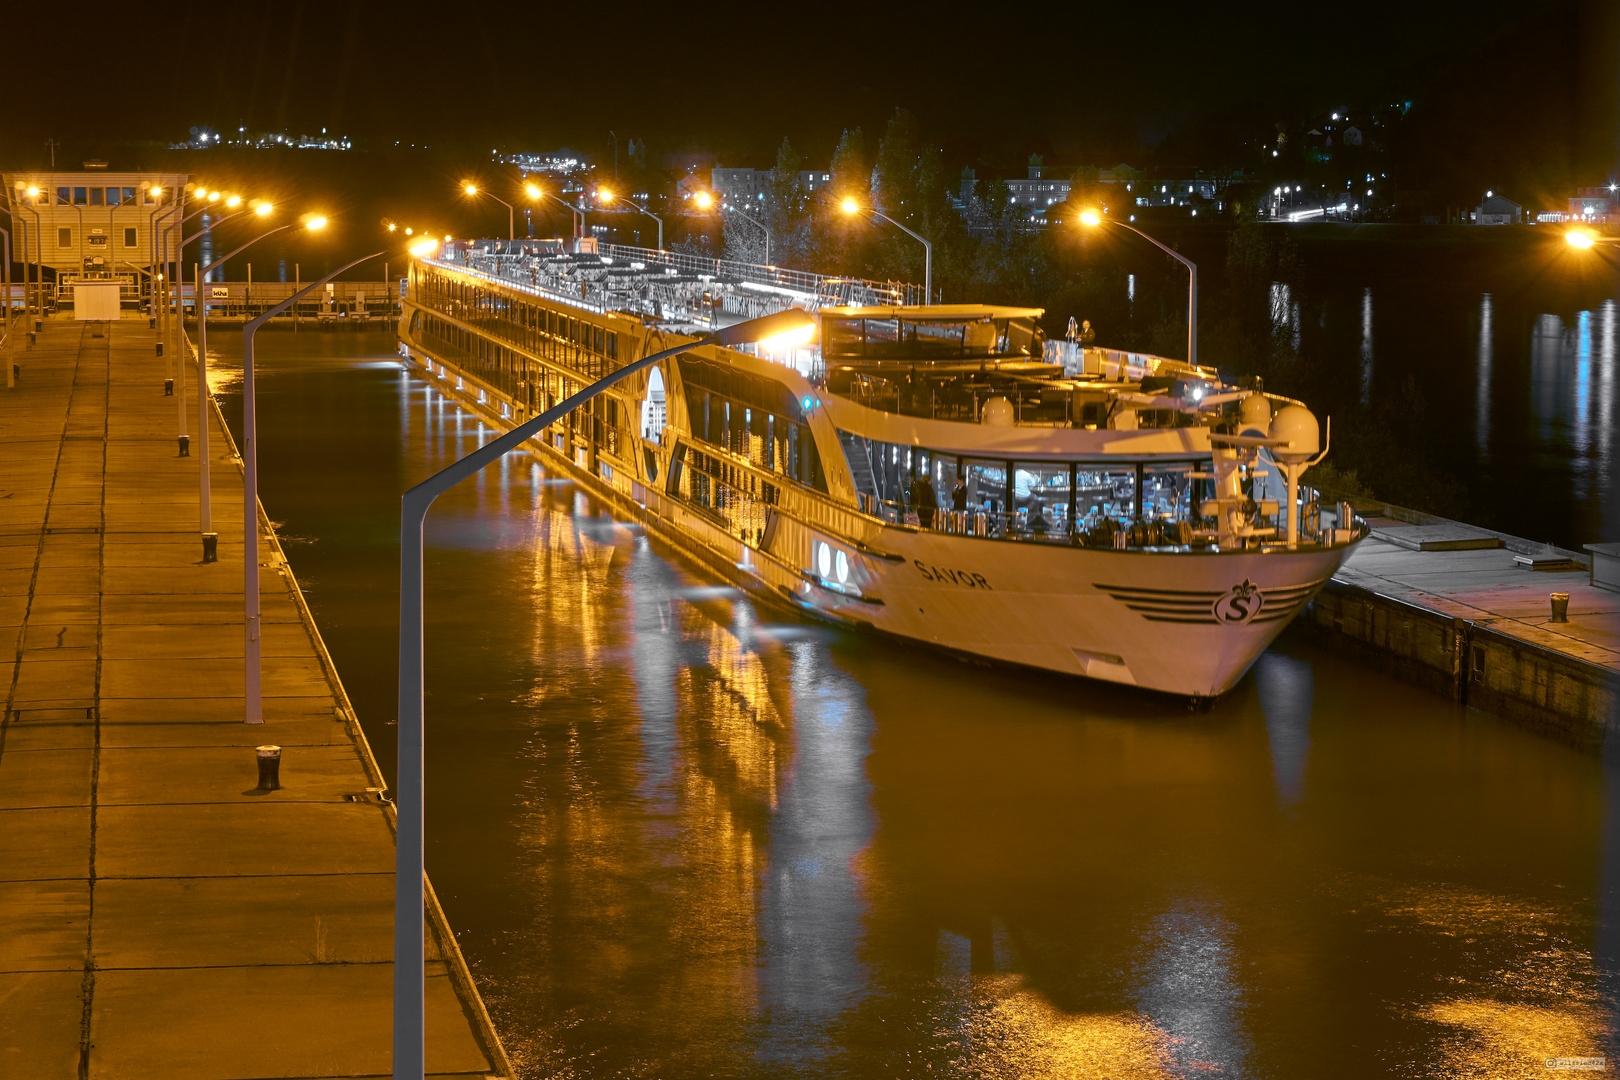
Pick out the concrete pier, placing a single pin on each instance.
(160, 915)
(1466, 612)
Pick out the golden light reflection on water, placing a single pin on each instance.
(1494, 1039)
(1016, 1033)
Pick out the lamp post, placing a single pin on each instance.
(409, 981)
(607, 197)
(762, 226)
(205, 515)
(511, 223)
(535, 192)
(179, 363)
(850, 206)
(253, 698)
(39, 261)
(1092, 219)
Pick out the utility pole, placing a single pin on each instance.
(52, 144)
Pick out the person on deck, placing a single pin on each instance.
(922, 492)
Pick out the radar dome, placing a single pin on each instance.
(1255, 412)
(998, 412)
(1297, 425)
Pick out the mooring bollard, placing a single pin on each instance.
(1560, 607)
(269, 768)
(160, 348)
(185, 446)
(168, 388)
(210, 547)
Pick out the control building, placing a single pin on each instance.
(96, 225)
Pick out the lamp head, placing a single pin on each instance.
(213, 196)
(849, 206)
(156, 191)
(532, 191)
(33, 193)
(604, 195)
(780, 326)
(1578, 239)
(424, 247)
(234, 201)
(263, 209)
(703, 200)
(407, 231)
(1089, 217)
(392, 227)
(470, 189)
(314, 222)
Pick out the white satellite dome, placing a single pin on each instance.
(1298, 427)
(998, 412)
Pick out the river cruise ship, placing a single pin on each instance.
(942, 474)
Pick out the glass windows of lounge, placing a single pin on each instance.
(752, 417)
(876, 339)
(726, 490)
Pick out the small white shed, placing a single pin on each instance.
(95, 300)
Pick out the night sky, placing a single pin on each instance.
(991, 83)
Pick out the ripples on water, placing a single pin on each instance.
(681, 835)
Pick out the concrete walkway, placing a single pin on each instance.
(159, 917)
(1485, 587)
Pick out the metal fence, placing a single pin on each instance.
(822, 289)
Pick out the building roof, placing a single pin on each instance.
(1496, 204)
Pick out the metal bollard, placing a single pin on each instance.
(168, 388)
(160, 348)
(1560, 607)
(185, 446)
(32, 338)
(269, 768)
(151, 322)
(210, 547)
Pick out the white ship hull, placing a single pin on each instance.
(1189, 624)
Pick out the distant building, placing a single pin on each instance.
(96, 224)
(563, 162)
(1496, 210)
(742, 186)
(1594, 205)
(1037, 191)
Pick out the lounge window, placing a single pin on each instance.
(130, 237)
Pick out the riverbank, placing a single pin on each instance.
(160, 913)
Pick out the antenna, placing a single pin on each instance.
(52, 144)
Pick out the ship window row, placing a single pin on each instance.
(725, 490)
(1082, 502)
(932, 338)
(512, 373)
(563, 338)
(767, 441)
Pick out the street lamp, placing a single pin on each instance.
(850, 206)
(250, 484)
(204, 511)
(607, 197)
(1092, 219)
(727, 207)
(511, 224)
(409, 959)
(534, 191)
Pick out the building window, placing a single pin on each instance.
(129, 197)
(95, 196)
(64, 196)
(129, 237)
(81, 196)
(64, 238)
